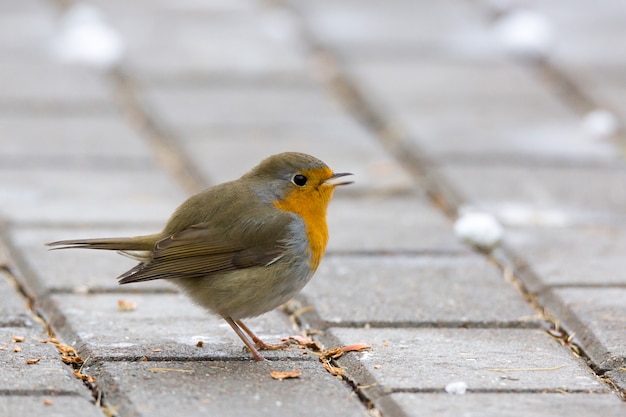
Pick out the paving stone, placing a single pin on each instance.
(49, 375)
(356, 28)
(13, 311)
(52, 88)
(173, 44)
(25, 30)
(166, 6)
(168, 322)
(453, 81)
(226, 388)
(76, 270)
(554, 196)
(588, 34)
(345, 147)
(188, 109)
(505, 404)
(572, 256)
(388, 224)
(60, 139)
(486, 110)
(25, 6)
(438, 290)
(597, 317)
(485, 359)
(82, 196)
(60, 406)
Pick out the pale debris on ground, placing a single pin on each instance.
(86, 38)
(525, 33)
(456, 387)
(479, 229)
(600, 124)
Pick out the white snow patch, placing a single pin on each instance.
(526, 33)
(481, 230)
(600, 124)
(456, 387)
(86, 38)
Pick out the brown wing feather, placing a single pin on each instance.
(198, 251)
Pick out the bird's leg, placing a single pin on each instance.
(258, 342)
(255, 353)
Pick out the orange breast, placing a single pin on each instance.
(311, 205)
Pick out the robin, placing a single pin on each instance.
(241, 248)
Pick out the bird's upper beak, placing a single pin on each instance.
(335, 180)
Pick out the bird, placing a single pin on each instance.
(241, 248)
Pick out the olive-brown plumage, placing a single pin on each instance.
(241, 248)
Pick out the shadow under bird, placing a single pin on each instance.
(241, 248)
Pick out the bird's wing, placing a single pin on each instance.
(198, 251)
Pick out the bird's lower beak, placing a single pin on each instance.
(335, 180)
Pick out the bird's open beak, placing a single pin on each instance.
(335, 180)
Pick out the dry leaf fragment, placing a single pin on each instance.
(48, 401)
(4, 347)
(280, 375)
(32, 361)
(311, 344)
(157, 350)
(84, 377)
(67, 350)
(126, 305)
(18, 339)
(356, 347)
(333, 353)
(332, 369)
(301, 340)
(16, 348)
(54, 341)
(69, 355)
(337, 352)
(72, 360)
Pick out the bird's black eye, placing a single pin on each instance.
(299, 180)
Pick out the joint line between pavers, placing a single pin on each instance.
(168, 152)
(532, 324)
(38, 315)
(38, 392)
(496, 391)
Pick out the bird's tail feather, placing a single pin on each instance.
(124, 244)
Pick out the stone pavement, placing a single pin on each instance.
(422, 104)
